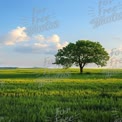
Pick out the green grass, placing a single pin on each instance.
(59, 95)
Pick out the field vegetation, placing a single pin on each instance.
(60, 95)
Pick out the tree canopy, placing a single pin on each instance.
(82, 53)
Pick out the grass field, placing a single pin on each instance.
(58, 95)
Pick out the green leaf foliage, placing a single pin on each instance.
(81, 53)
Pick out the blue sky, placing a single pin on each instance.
(32, 30)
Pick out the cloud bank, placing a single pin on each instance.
(22, 42)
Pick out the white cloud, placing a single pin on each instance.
(53, 41)
(37, 43)
(60, 46)
(54, 38)
(41, 45)
(15, 36)
(40, 38)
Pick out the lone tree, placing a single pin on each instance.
(81, 53)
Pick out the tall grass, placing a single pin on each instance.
(58, 95)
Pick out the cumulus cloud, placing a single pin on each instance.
(60, 46)
(15, 36)
(53, 42)
(40, 45)
(40, 38)
(55, 39)
(37, 43)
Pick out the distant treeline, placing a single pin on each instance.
(8, 67)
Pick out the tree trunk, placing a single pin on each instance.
(81, 69)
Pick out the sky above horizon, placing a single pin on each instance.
(33, 30)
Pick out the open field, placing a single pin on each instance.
(58, 95)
